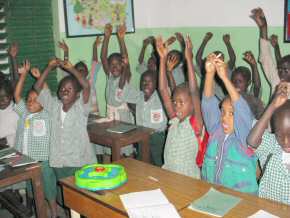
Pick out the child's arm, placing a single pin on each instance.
(275, 44)
(231, 51)
(254, 139)
(52, 64)
(266, 59)
(210, 104)
(200, 51)
(193, 84)
(104, 51)
(181, 41)
(170, 64)
(23, 71)
(65, 49)
(146, 42)
(82, 80)
(250, 59)
(93, 74)
(13, 51)
(162, 50)
(126, 74)
(35, 72)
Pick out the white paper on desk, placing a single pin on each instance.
(262, 214)
(148, 204)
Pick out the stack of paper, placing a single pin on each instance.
(7, 152)
(214, 203)
(263, 214)
(148, 204)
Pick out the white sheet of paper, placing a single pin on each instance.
(148, 204)
(262, 214)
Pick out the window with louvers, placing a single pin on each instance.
(30, 24)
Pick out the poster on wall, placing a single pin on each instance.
(287, 21)
(89, 17)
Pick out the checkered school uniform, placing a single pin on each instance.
(275, 182)
(181, 148)
(33, 132)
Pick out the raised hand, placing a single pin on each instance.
(226, 38)
(171, 62)
(221, 68)
(207, 36)
(13, 50)
(24, 69)
(259, 17)
(170, 40)
(121, 31)
(108, 30)
(281, 94)
(35, 72)
(67, 65)
(249, 58)
(161, 47)
(179, 36)
(210, 64)
(63, 46)
(274, 40)
(188, 48)
(53, 63)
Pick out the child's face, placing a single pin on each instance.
(147, 86)
(183, 104)
(240, 83)
(33, 106)
(116, 67)
(284, 71)
(227, 116)
(151, 64)
(67, 93)
(282, 132)
(5, 99)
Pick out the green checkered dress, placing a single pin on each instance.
(181, 149)
(275, 183)
(34, 130)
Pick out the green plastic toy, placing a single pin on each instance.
(96, 177)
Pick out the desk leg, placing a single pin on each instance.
(145, 149)
(74, 214)
(116, 152)
(38, 192)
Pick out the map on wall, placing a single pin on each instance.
(89, 17)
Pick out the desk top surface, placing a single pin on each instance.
(98, 133)
(180, 191)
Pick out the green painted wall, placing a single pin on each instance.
(242, 38)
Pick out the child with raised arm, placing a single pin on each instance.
(274, 72)
(70, 146)
(218, 87)
(228, 160)
(241, 79)
(83, 69)
(151, 62)
(33, 131)
(149, 112)
(8, 117)
(184, 139)
(273, 149)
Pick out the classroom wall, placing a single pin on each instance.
(194, 17)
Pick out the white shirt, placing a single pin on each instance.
(8, 124)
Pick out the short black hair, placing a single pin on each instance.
(283, 110)
(115, 55)
(183, 87)
(244, 71)
(285, 59)
(73, 80)
(81, 64)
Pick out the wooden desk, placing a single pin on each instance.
(99, 135)
(31, 172)
(180, 191)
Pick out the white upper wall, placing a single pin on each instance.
(187, 13)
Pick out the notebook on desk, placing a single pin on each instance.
(122, 128)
